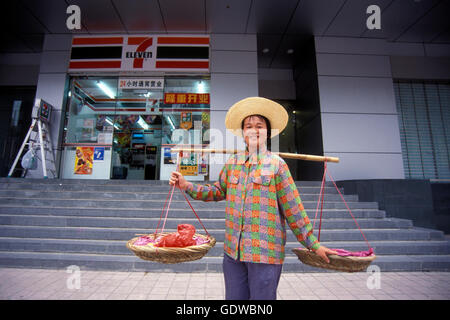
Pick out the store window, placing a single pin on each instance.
(125, 128)
(424, 121)
(186, 121)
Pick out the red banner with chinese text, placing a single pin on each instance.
(186, 98)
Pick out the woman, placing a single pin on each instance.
(261, 195)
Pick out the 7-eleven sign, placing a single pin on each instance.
(138, 54)
(185, 53)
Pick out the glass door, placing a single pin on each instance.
(137, 129)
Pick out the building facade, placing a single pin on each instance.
(361, 99)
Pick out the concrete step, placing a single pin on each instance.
(173, 213)
(172, 223)
(159, 203)
(117, 247)
(207, 264)
(45, 187)
(412, 234)
(48, 223)
(83, 182)
(121, 195)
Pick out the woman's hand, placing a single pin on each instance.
(323, 252)
(178, 180)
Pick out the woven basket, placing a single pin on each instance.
(347, 264)
(171, 254)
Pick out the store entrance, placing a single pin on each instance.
(137, 132)
(124, 128)
(136, 147)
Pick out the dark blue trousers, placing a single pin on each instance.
(250, 281)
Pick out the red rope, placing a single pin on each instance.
(350, 211)
(162, 212)
(318, 200)
(321, 202)
(168, 207)
(194, 212)
(167, 211)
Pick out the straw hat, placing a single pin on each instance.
(273, 111)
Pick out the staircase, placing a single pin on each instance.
(52, 223)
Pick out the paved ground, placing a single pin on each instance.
(72, 284)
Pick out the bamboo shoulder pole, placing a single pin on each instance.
(297, 156)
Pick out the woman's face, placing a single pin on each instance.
(255, 132)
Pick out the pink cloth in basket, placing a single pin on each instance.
(345, 253)
(143, 241)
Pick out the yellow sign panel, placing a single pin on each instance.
(188, 170)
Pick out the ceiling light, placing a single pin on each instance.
(201, 87)
(290, 51)
(113, 124)
(143, 124)
(109, 121)
(170, 122)
(106, 89)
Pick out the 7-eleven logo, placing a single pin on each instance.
(138, 54)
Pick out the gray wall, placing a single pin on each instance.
(421, 61)
(358, 111)
(52, 80)
(358, 117)
(19, 69)
(234, 76)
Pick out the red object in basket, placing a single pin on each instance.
(182, 238)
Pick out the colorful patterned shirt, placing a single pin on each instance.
(261, 195)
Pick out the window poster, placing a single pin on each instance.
(83, 160)
(203, 164)
(88, 130)
(186, 120)
(169, 157)
(188, 164)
